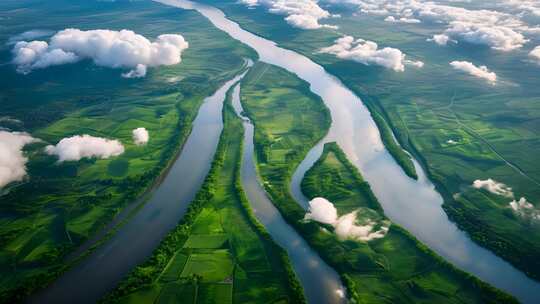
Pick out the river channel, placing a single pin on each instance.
(134, 241)
(320, 282)
(413, 204)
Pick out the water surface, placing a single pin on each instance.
(320, 282)
(413, 204)
(135, 241)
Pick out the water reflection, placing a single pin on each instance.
(413, 204)
(134, 242)
(319, 281)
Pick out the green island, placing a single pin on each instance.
(219, 253)
(460, 129)
(396, 268)
(62, 205)
(393, 269)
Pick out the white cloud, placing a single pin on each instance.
(368, 53)
(115, 49)
(322, 211)
(12, 159)
(476, 71)
(493, 187)
(500, 31)
(525, 208)
(304, 14)
(28, 35)
(535, 54)
(85, 146)
(138, 72)
(440, 39)
(140, 136)
(346, 226)
(401, 20)
(523, 6)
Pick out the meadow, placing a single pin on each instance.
(394, 269)
(460, 128)
(60, 205)
(219, 252)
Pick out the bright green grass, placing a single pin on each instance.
(217, 248)
(215, 293)
(216, 266)
(63, 204)
(417, 105)
(395, 264)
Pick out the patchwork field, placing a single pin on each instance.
(459, 127)
(219, 253)
(60, 205)
(392, 269)
(395, 268)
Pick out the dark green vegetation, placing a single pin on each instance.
(425, 108)
(62, 205)
(219, 253)
(394, 269)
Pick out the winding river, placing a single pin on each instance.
(320, 282)
(414, 204)
(98, 273)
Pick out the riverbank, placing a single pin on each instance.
(396, 263)
(54, 219)
(459, 129)
(219, 222)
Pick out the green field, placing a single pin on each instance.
(427, 107)
(219, 253)
(393, 269)
(61, 205)
(396, 268)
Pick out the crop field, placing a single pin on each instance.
(394, 269)
(60, 205)
(217, 254)
(460, 128)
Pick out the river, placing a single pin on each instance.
(320, 282)
(413, 204)
(135, 241)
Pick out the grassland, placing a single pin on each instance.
(395, 269)
(219, 253)
(62, 204)
(460, 128)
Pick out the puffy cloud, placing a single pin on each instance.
(138, 72)
(29, 35)
(368, 53)
(440, 39)
(500, 38)
(116, 49)
(81, 146)
(322, 211)
(401, 20)
(523, 6)
(140, 136)
(37, 55)
(304, 14)
(493, 187)
(476, 71)
(500, 31)
(535, 54)
(12, 159)
(525, 209)
(346, 226)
